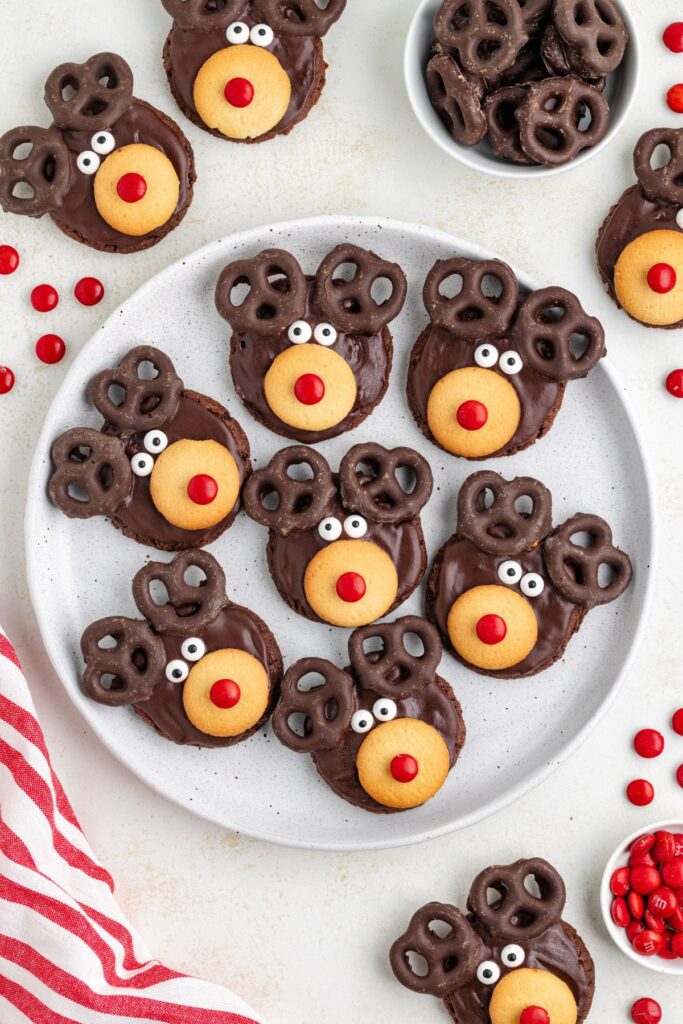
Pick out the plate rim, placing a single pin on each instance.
(497, 803)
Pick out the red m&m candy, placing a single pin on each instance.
(661, 278)
(633, 929)
(6, 380)
(679, 775)
(50, 349)
(44, 298)
(672, 873)
(648, 743)
(674, 98)
(664, 849)
(643, 844)
(89, 291)
(646, 1011)
(677, 719)
(645, 880)
(648, 942)
(9, 259)
(677, 944)
(619, 882)
(662, 902)
(640, 792)
(673, 37)
(620, 914)
(674, 385)
(635, 904)
(656, 923)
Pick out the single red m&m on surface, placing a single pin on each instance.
(677, 720)
(643, 844)
(662, 278)
(89, 291)
(674, 98)
(472, 415)
(673, 38)
(44, 298)
(640, 792)
(646, 1011)
(664, 849)
(648, 743)
(9, 259)
(50, 349)
(239, 92)
(674, 385)
(6, 380)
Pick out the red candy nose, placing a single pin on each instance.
(351, 587)
(534, 1015)
(239, 92)
(661, 278)
(404, 768)
(225, 693)
(491, 629)
(309, 389)
(472, 415)
(131, 187)
(202, 489)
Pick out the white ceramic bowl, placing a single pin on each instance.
(618, 859)
(621, 91)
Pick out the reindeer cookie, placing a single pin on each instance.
(112, 171)
(310, 357)
(510, 959)
(198, 668)
(168, 464)
(247, 70)
(488, 375)
(507, 591)
(383, 733)
(640, 244)
(344, 549)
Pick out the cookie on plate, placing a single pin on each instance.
(247, 70)
(509, 959)
(311, 356)
(383, 733)
(198, 668)
(487, 376)
(167, 466)
(508, 591)
(344, 549)
(112, 171)
(640, 244)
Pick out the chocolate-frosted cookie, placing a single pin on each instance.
(487, 376)
(197, 667)
(509, 959)
(384, 732)
(639, 247)
(311, 357)
(508, 591)
(167, 466)
(247, 70)
(345, 550)
(112, 171)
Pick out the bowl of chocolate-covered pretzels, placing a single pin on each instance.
(521, 88)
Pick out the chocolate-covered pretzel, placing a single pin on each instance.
(93, 464)
(471, 313)
(575, 570)
(301, 17)
(327, 708)
(85, 97)
(451, 958)
(455, 98)
(276, 297)
(665, 183)
(146, 403)
(551, 115)
(351, 304)
(133, 663)
(503, 128)
(501, 528)
(45, 175)
(301, 504)
(188, 606)
(547, 322)
(595, 33)
(369, 483)
(391, 670)
(517, 911)
(488, 34)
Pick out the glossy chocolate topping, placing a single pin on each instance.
(460, 565)
(434, 704)
(140, 123)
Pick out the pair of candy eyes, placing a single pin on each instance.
(383, 710)
(88, 162)
(354, 526)
(142, 463)
(239, 32)
(532, 585)
(300, 332)
(488, 972)
(487, 356)
(192, 649)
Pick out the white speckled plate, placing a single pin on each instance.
(518, 732)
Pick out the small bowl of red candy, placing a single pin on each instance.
(641, 897)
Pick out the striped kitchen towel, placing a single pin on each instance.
(67, 954)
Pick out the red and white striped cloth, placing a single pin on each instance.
(67, 954)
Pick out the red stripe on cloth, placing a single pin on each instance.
(137, 1007)
(15, 848)
(31, 1007)
(7, 651)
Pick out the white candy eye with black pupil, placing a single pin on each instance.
(486, 355)
(488, 972)
(510, 572)
(325, 334)
(193, 649)
(262, 35)
(532, 584)
(238, 32)
(362, 721)
(355, 527)
(155, 441)
(142, 464)
(384, 710)
(88, 162)
(513, 955)
(103, 143)
(679, 219)
(177, 671)
(300, 332)
(511, 363)
(330, 528)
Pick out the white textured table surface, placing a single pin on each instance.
(304, 936)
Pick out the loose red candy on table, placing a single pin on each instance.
(674, 98)
(50, 349)
(673, 37)
(677, 720)
(679, 775)
(648, 743)
(646, 1011)
(645, 880)
(6, 380)
(619, 882)
(89, 291)
(640, 792)
(674, 385)
(9, 260)
(44, 298)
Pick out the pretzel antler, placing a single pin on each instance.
(502, 528)
(147, 404)
(203, 15)
(188, 606)
(518, 914)
(392, 671)
(350, 305)
(327, 709)
(276, 297)
(471, 314)
(97, 466)
(36, 183)
(575, 570)
(544, 338)
(135, 663)
(451, 959)
(300, 17)
(663, 184)
(301, 504)
(102, 92)
(369, 484)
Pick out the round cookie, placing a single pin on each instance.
(333, 572)
(310, 391)
(635, 293)
(247, 701)
(492, 627)
(388, 742)
(532, 987)
(255, 98)
(173, 475)
(132, 215)
(473, 433)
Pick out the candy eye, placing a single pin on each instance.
(486, 355)
(88, 162)
(238, 32)
(384, 710)
(177, 671)
(512, 956)
(510, 572)
(355, 526)
(325, 334)
(300, 332)
(679, 219)
(532, 584)
(511, 363)
(361, 721)
(142, 464)
(330, 529)
(103, 143)
(488, 972)
(262, 35)
(193, 648)
(155, 441)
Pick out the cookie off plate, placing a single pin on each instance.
(518, 731)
